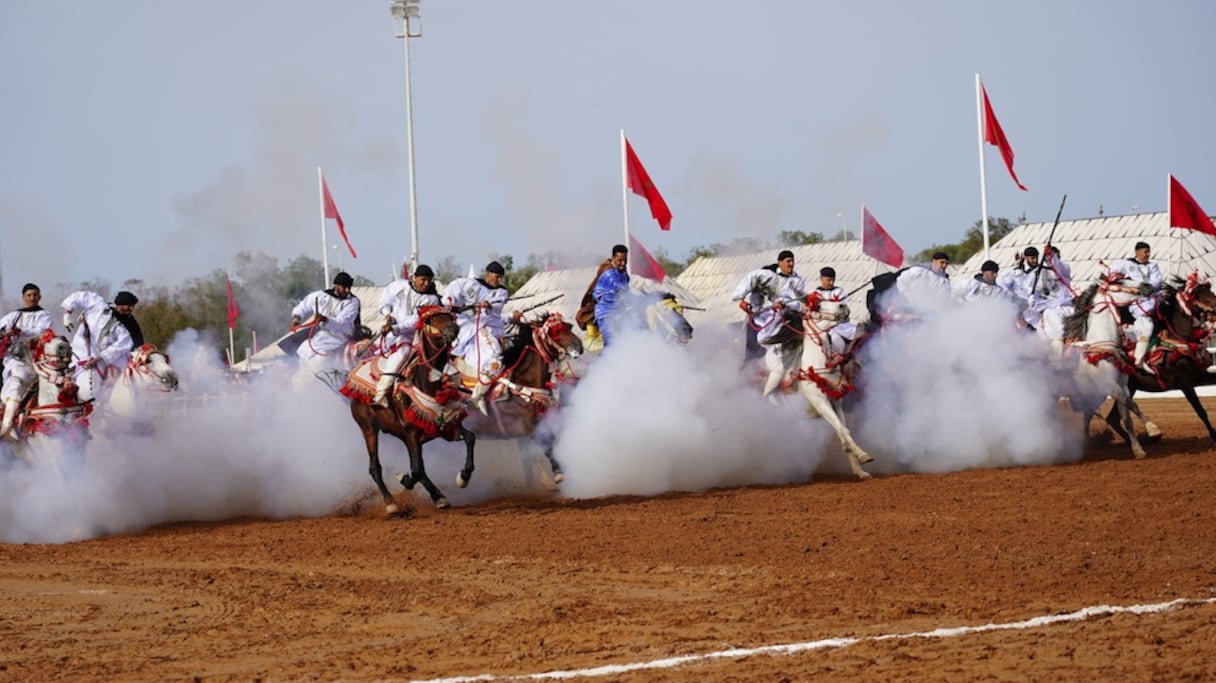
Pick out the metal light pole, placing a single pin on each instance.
(407, 12)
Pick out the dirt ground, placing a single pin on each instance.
(519, 587)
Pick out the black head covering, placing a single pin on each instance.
(28, 286)
(1030, 251)
(1142, 245)
(496, 267)
(343, 278)
(784, 254)
(125, 298)
(940, 255)
(989, 267)
(827, 271)
(424, 270)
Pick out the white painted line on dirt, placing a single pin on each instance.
(793, 648)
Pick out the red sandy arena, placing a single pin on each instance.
(523, 586)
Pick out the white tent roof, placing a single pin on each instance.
(1085, 243)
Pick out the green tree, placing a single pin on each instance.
(797, 238)
(972, 242)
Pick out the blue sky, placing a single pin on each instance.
(154, 140)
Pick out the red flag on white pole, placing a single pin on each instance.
(331, 211)
(233, 311)
(643, 263)
(1185, 212)
(638, 180)
(993, 135)
(876, 243)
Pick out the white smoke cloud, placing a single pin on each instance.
(961, 390)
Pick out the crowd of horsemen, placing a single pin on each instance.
(773, 299)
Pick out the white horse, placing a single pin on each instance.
(51, 413)
(124, 408)
(1095, 333)
(824, 377)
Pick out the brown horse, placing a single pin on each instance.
(423, 406)
(525, 391)
(1179, 355)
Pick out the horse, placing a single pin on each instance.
(51, 411)
(1094, 331)
(422, 406)
(824, 376)
(536, 365)
(1179, 353)
(124, 408)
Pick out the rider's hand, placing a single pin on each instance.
(745, 306)
(517, 316)
(320, 318)
(483, 305)
(295, 320)
(88, 363)
(386, 328)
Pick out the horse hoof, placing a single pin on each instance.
(558, 477)
(461, 481)
(442, 504)
(1140, 454)
(863, 475)
(391, 509)
(1152, 431)
(864, 458)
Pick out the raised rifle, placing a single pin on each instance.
(1039, 269)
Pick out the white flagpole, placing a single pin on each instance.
(324, 241)
(625, 197)
(979, 115)
(231, 348)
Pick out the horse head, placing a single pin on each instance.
(52, 352)
(152, 366)
(829, 314)
(1121, 292)
(437, 325)
(665, 315)
(558, 336)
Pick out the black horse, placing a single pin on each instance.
(1179, 357)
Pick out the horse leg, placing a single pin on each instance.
(1193, 399)
(832, 413)
(1125, 415)
(464, 475)
(1151, 431)
(371, 437)
(417, 475)
(1115, 422)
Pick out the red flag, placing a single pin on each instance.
(993, 135)
(233, 311)
(876, 243)
(331, 211)
(643, 263)
(1185, 211)
(639, 181)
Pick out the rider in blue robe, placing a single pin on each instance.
(610, 290)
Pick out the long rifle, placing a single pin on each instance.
(1035, 285)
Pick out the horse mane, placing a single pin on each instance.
(1076, 326)
(512, 351)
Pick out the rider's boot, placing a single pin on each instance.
(383, 387)
(478, 397)
(1142, 354)
(11, 406)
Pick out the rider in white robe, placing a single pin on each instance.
(478, 344)
(400, 307)
(920, 289)
(336, 312)
(766, 294)
(1141, 270)
(101, 343)
(844, 332)
(21, 327)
